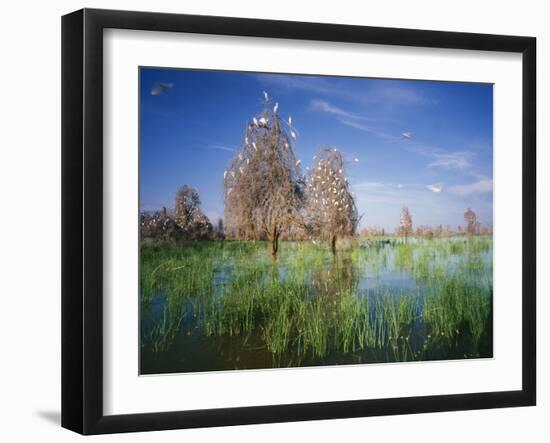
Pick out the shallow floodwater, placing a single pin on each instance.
(404, 301)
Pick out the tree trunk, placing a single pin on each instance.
(333, 245)
(274, 243)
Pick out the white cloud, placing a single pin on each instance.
(482, 186)
(436, 187)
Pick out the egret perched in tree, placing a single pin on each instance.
(263, 122)
(327, 183)
(267, 191)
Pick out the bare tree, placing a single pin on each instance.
(405, 223)
(187, 206)
(331, 210)
(188, 215)
(263, 185)
(472, 225)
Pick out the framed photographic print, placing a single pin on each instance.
(270, 221)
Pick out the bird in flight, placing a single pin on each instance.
(407, 135)
(161, 88)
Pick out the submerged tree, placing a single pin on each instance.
(472, 225)
(188, 215)
(263, 185)
(405, 223)
(331, 210)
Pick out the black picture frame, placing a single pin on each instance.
(82, 219)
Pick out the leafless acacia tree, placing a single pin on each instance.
(263, 186)
(331, 210)
(188, 215)
(472, 225)
(405, 223)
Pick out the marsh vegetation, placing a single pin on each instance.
(213, 305)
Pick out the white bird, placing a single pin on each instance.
(247, 161)
(266, 97)
(224, 174)
(255, 120)
(298, 162)
(407, 135)
(240, 156)
(293, 134)
(263, 121)
(246, 141)
(241, 169)
(356, 160)
(289, 120)
(334, 149)
(286, 145)
(254, 146)
(276, 107)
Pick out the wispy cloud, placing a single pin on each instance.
(451, 160)
(324, 106)
(482, 186)
(349, 118)
(396, 94)
(318, 85)
(221, 148)
(369, 185)
(369, 192)
(388, 92)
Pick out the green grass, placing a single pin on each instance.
(309, 306)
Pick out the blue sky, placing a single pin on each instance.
(192, 126)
